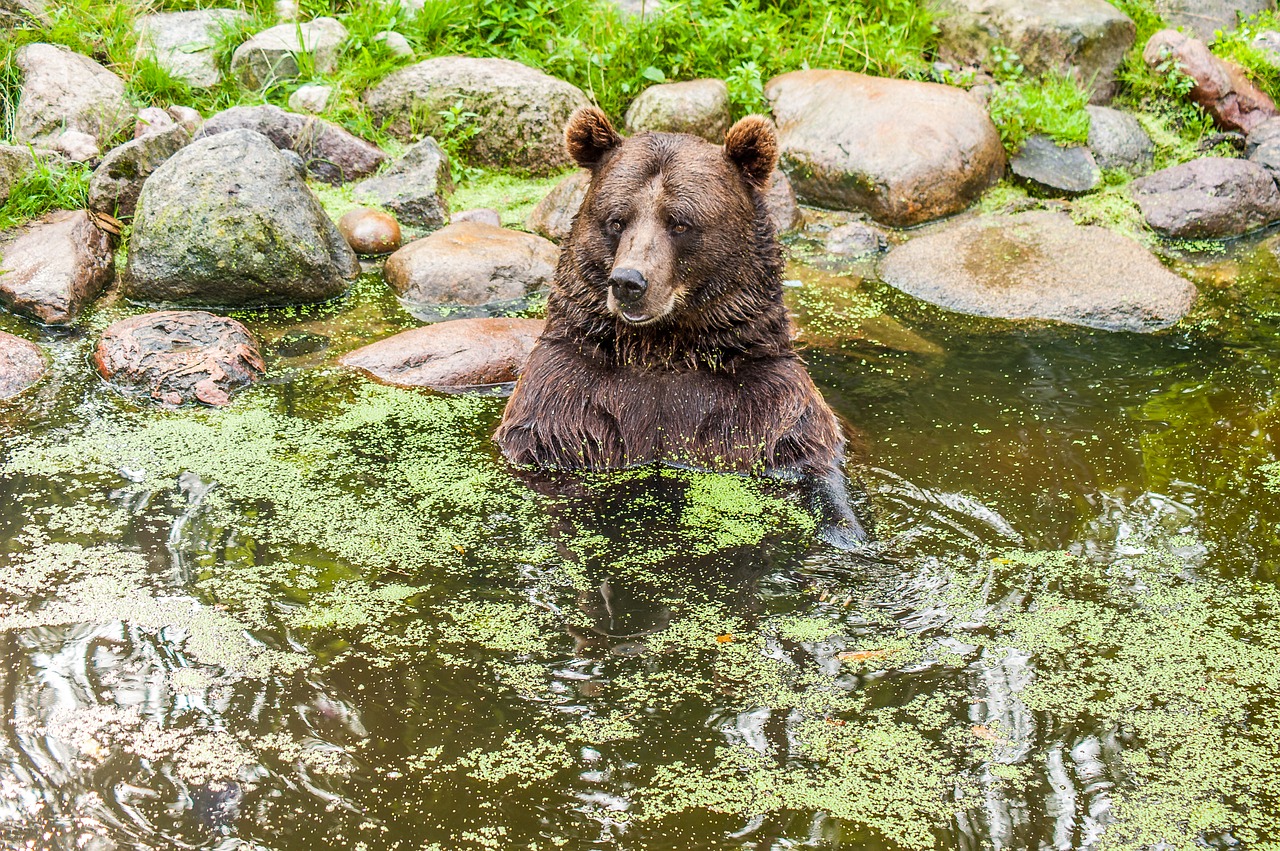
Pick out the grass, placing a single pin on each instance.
(1053, 104)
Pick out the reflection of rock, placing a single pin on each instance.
(553, 215)
(21, 365)
(831, 310)
(458, 353)
(53, 267)
(178, 356)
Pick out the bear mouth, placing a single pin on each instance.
(637, 318)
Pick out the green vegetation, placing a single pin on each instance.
(1053, 104)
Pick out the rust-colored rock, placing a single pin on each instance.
(21, 365)
(1222, 89)
(370, 231)
(51, 268)
(177, 356)
(456, 354)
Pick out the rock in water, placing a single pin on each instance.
(553, 216)
(118, 180)
(519, 113)
(1210, 198)
(1118, 140)
(471, 264)
(228, 220)
(456, 354)
(22, 364)
(903, 151)
(413, 187)
(64, 91)
(183, 43)
(1040, 265)
(699, 107)
(370, 231)
(177, 356)
(1221, 88)
(855, 239)
(53, 267)
(272, 55)
(1048, 169)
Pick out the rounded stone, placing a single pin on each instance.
(456, 354)
(1208, 198)
(22, 364)
(483, 215)
(699, 107)
(312, 99)
(370, 231)
(177, 356)
(1048, 169)
(1118, 140)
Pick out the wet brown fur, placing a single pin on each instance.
(714, 384)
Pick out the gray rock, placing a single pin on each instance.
(903, 151)
(414, 187)
(855, 239)
(782, 204)
(1118, 140)
(16, 161)
(1267, 131)
(1040, 265)
(483, 215)
(1089, 36)
(1267, 155)
(329, 152)
(1208, 198)
(698, 107)
(64, 91)
(272, 55)
(187, 117)
(1050, 170)
(553, 216)
(471, 264)
(1204, 17)
(457, 354)
(519, 112)
(22, 364)
(311, 99)
(1268, 42)
(394, 42)
(15, 12)
(117, 181)
(229, 221)
(153, 119)
(55, 266)
(183, 43)
(77, 146)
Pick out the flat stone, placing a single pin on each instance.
(781, 202)
(1041, 265)
(855, 239)
(271, 56)
(1049, 169)
(697, 107)
(553, 216)
(117, 181)
(1213, 197)
(1204, 17)
(22, 364)
(903, 151)
(177, 356)
(370, 231)
(483, 215)
(456, 354)
(51, 268)
(1118, 141)
(228, 220)
(328, 152)
(184, 43)
(471, 264)
(61, 91)
(312, 99)
(1222, 88)
(1089, 37)
(520, 112)
(414, 187)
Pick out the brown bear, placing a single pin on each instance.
(666, 338)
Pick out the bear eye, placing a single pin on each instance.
(679, 227)
(615, 225)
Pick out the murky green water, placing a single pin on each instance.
(330, 617)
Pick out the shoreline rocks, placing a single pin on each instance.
(414, 187)
(54, 266)
(1212, 197)
(455, 354)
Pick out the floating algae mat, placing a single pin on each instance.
(329, 616)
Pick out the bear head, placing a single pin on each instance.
(673, 231)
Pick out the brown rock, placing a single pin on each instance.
(51, 268)
(553, 216)
(471, 264)
(370, 231)
(1222, 89)
(21, 365)
(455, 354)
(178, 356)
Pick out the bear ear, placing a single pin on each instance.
(752, 144)
(589, 136)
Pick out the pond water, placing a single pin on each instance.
(331, 617)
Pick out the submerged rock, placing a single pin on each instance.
(1041, 265)
(553, 216)
(62, 91)
(698, 107)
(183, 43)
(456, 354)
(117, 181)
(177, 356)
(1222, 88)
(370, 231)
(272, 55)
(1047, 168)
(1118, 140)
(1211, 198)
(413, 187)
(22, 364)
(855, 239)
(54, 266)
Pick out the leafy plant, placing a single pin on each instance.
(1053, 105)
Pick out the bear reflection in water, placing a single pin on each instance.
(667, 340)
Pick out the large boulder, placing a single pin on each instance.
(1118, 140)
(330, 153)
(414, 187)
(456, 354)
(471, 264)
(1212, 197)
(51, 268)
(553, 216)
(1040, 265)
(699, 107)
(21, 365)
(1089, 37)
(117, 181)
(519, 112)
(904, 151)
(183, 43)
(1222, 88)
(1205, 17)
(228, 220)
(272, 55)
(62, 91)
(177, 356)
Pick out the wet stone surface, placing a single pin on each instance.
(455, 354)
(21, 365)
(370, 231)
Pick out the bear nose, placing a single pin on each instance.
(628, 284)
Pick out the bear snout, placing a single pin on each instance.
(629, 286)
